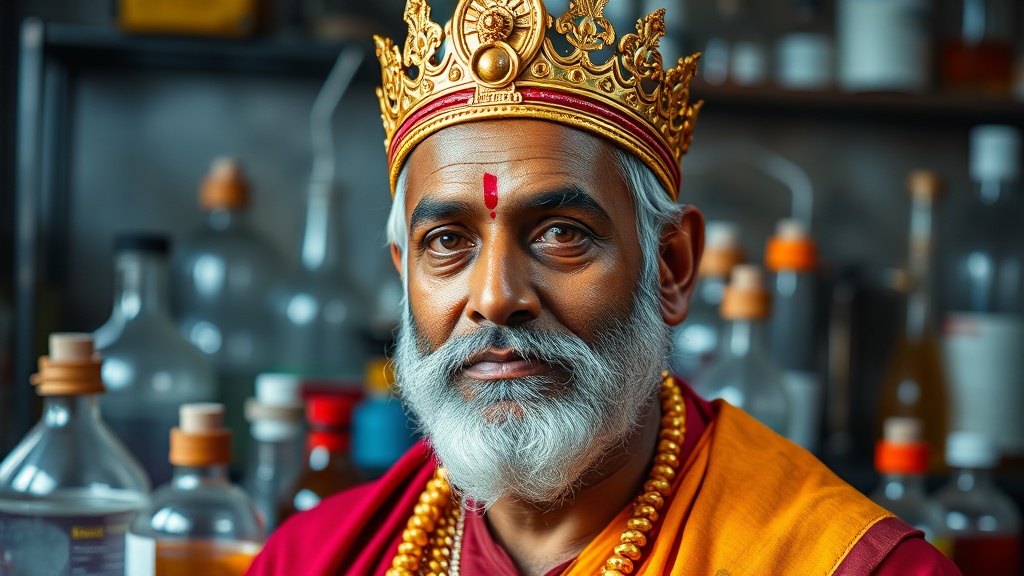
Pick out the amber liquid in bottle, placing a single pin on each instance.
(329, 469)
(206, 557)
(915, 384)
(985, 67)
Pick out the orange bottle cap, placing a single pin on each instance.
(225, 186)
(792, 248)
(895, 458)
(722, 250)
(745, 297)
(200, 439)
(73, 367)
(924, 184)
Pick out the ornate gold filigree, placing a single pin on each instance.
(496, 51)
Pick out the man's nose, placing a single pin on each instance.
(501, 290)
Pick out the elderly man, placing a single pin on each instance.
(545, 258)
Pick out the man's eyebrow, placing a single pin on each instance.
(569, 197)
(430, 210)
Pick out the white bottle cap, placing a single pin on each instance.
(70, 346)
(719, 234)
(791, 229)
(995, 152)
(747, 277)
(225, 168)
(278, 389)
(902, 430)
(201, 417)
(971, 450)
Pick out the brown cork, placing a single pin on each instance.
(225, 186)
(745, 297)
(924, 183)
(201, 439)
(72, 368)
(718, 262)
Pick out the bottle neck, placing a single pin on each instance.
(62, 411)
(191, 477)
(710, 289)
(140, 285)
(220, 219)
(897, 486)
(326, 445)
(967, 479)
(320, 241)
(992, 191)
(743, 338)
(919, 265)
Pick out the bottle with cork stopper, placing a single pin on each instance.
(901, 457)
(221, 277)
(792, 258)
(743, 374)
(69, 489)
(697, 339)
(199, 523)
(914, 384)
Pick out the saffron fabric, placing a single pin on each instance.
(747, 502)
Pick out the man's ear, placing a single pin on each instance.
(682, 243)
(396, 257)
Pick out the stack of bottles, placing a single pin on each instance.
(199, 523)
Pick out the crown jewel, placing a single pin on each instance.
(494, 59)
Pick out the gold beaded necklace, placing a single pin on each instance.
(432, 539)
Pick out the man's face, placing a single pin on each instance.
(525, 350)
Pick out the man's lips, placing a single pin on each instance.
(502, 364)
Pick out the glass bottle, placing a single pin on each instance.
(199, 523)
(150, 369)
(736, 50)
(983, 325)
(381, 431)
(792, 257)
(883, 45)
(329, 468)
(914, 382)
(317, 313)
(804, 53)
(69, 489)
(743, 374)
(220, 280)
(982, 521)
(901, 457)
(276, 419)
(698, 338)
(977, 51)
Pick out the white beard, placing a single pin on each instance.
(533, 438)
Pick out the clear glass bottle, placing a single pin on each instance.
(736, 50)
(914, 382)
(150, 369)
(901, 457)
(804, 52)
(743, 374)
(220, 277)
(318, 315)
(276, 424)
(977, 49)
(983, 324)
(982, 521)
(698, 338)
(69, 489)
(329, 468)
(381, 431)
(792, 258)
(199, 523)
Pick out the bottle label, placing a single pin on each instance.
(63, 545)
(140, 555)
(985, 365)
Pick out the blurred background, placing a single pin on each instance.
(816, 111)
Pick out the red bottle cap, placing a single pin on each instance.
(333, 409)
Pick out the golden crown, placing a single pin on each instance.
(494, 60)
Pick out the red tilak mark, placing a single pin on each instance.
(491, 192)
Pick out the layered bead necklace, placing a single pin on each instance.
(432, 539)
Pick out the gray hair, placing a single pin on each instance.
(654, 211)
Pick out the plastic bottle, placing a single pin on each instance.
(901, 457)
(221, 279)
(69, 489)
(743, 374)
(792, 257)
(199, 523)
(914, 385)
(698, 338)
(381, 432)
(150, 369)
(983, 326)
(982, 521)
(329, 468)
(276, 423)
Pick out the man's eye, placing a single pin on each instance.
(561, 234)
(448, 242)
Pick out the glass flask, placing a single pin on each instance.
(150, 369)
(70, 488)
